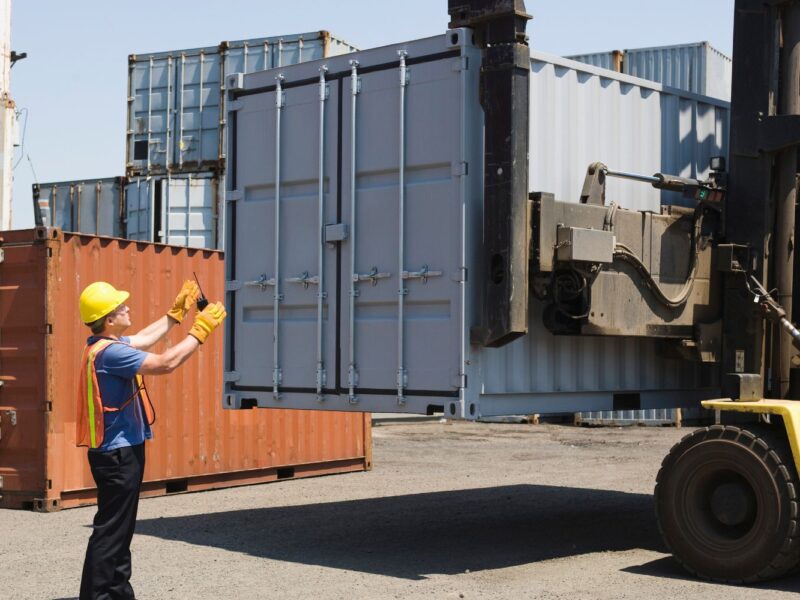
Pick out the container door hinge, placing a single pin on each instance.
(233, 195)
(459, 169)
(3, 254)
(231, 376)
(46, 329)
(234, 105)
(460, 381)
(460, 275)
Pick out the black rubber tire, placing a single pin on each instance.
(757, 539)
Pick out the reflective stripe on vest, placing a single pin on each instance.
(92, 401)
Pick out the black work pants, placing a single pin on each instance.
(107, 567)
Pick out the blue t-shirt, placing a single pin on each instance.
(116, 369)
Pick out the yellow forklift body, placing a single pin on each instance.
(788, 410)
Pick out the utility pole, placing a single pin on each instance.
(7, 116)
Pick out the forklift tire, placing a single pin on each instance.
(727, 503)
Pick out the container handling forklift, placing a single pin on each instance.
(727, 496)
(705, 280)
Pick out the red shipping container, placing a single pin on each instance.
(197, 444)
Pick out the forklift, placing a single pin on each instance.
(727, 496)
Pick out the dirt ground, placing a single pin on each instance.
(449, 511)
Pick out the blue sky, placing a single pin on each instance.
(73, 84)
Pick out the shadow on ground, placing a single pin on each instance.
(436, 533)
(667, 568)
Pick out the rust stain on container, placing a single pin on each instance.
(198, 445)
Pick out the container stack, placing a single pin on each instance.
(172, 191)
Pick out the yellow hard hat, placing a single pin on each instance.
(99, 299)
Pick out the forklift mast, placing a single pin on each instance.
(715, 282)
(759, 213)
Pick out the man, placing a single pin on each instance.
(114, 418)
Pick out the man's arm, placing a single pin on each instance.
(184, 301)
(161, 364)
(151, 334)
(204, 324)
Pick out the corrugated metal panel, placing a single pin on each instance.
(582, 114)
(197, 445)
(90, 206)
(174, 97)
(603, 60)
(697, 68)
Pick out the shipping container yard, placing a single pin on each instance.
(534, 311)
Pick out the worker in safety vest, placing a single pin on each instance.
(114, 417)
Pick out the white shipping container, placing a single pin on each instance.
(698, 68)
(174, 100)
(382, 299)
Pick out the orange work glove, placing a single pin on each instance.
(184, 301)
(207, 321)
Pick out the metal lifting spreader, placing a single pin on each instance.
(498, 27)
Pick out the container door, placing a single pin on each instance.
(60, 203)
(401, 336)
(197, 95)
(190, 204)
(151, 125)
(282, 305)
(23, 395)
(139, 198)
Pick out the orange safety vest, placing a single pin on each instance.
(90, 424)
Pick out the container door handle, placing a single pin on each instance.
(12, 418)
(373, 276)
(305, 279)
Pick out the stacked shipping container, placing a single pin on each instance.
(176, 104)
(175, 144)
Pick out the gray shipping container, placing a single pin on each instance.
(181, 210)
(698, 68)
(353, 227)
(90, 206)
(174, 98)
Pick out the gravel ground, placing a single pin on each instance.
(450, 511)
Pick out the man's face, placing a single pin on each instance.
(119, 319)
